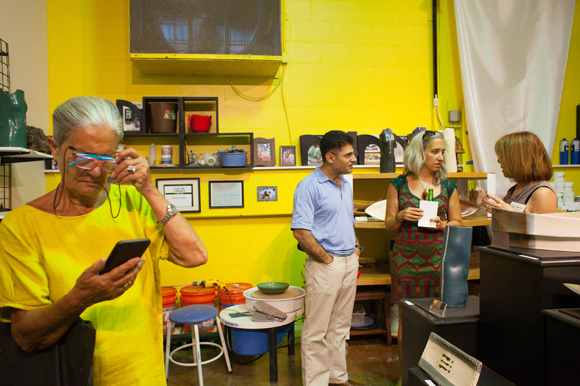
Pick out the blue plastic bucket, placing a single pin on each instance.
(255, 342)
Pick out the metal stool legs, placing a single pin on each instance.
(196, 346)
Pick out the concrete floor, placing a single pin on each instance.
(370, 362)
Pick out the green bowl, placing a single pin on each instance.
(273, 287)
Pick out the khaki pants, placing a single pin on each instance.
(330, 291)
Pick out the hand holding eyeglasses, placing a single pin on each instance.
(133, 168)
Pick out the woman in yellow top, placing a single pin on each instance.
(52, 249)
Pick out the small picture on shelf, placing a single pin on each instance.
(132, 114)
(264, 152)
(372, 155)
(314, 156)
(288, 155)
(267, 193)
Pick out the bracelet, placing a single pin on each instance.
(397, 218)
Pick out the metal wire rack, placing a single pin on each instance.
(5, 169)
(5, 187)
(4, 67)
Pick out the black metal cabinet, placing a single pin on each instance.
(459, 328)
(562, 337)
(515, 286)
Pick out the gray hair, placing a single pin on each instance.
(81, 112)
(414, 157)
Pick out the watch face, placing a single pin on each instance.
(172, 209)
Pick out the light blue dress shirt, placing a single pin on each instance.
(326, 210)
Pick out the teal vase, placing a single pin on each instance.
(13, 119)
(455, 265)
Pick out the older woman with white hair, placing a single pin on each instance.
(53, 248)
(416, 260)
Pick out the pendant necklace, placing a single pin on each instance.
(424, 194)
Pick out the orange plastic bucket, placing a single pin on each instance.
(232, 294)
(169, 298)
(191, 295)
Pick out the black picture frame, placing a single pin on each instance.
(306, 142)
(169, 188)
(364, 140)
(138, 113)
(231, 196)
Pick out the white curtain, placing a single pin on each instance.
(513, 56)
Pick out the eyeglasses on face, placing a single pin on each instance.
(90, 161)
(347, 155)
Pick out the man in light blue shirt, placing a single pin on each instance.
(323, 224)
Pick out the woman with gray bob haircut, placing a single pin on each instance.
(80, 112)
(53, 249)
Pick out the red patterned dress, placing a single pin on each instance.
(416, 261)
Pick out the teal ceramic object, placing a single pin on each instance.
(273, 287)
(455, 265)
(13, 119)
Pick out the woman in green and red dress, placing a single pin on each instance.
(416, 261)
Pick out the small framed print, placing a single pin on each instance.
(132, 113)
(267, 193)
(264, 152)
(226, 194)
(181, 192)
(287, 155)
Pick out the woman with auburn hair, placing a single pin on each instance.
(524, 158)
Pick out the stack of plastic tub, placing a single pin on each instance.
(232, 294)
(191, 295)
(169, 298)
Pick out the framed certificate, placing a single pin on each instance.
(226, 194)
(184, 193)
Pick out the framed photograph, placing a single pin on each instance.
(310, 150)
(264, 152)
(287, 155)
(267, 193)
(181, 192)
(132, 113)
(226, 194)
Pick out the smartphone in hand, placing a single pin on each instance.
(124, 251)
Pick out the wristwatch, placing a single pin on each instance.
(359, 247)
(171, 211)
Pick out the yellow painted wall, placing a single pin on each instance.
(356, 65)
(570, 99)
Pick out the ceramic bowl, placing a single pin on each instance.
(378, 209)
(273, 287)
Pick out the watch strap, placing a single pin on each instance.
(171, 211)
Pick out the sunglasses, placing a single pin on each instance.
(429, 133)
(90, 161)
